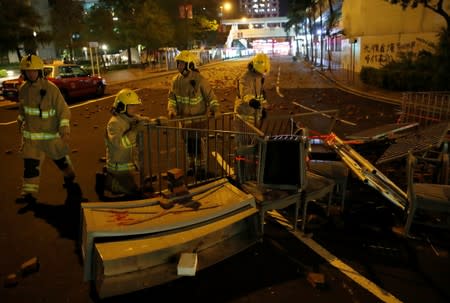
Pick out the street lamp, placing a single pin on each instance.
(225, 7)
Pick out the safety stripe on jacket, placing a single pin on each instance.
(126, 142)
(30, 188)
(39, 136)
(64, 122)
(35, 111)
(120, 166)
(187, 100)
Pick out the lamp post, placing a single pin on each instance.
(35, 42)
(225, 7)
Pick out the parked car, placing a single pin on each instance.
(10, 88)
(72, 80)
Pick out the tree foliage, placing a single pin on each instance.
(155, 27)
(436, 6)
(66, 19)
(99, 26)
(20, 27)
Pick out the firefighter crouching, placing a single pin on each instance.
(121, 173)
(251, 101)
(44, 122)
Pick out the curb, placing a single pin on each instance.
(354, 91)
(357, 92)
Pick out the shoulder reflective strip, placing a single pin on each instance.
(20, 117)
(64, 122)
(172, 102)
(126, 142)
(214, 103)
(30, 187)
(39, 136)
(121, 166)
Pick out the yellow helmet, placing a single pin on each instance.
(188, 57)
(261, 63)
(124, 98)
(31, 62)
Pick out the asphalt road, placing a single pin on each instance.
(272, 271)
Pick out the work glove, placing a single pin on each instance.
(143, 119)
(142, 125)
(172, 114)
(254, 104)
(161, 120)
(263, 114)
(212, 114)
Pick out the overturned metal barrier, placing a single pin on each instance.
(368, 173)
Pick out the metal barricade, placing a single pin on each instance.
(318, 123)
(425, 107)
(205, 148)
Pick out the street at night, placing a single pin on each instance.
(387, 267)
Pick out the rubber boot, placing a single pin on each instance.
(100, 180)
(74, 195)
(26, 198)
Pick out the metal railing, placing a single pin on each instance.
(208, 148)
(205, 148)
(425, 108)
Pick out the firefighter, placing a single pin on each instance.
(191, 95)
(44, 122)
(122, 169)
(251, 101)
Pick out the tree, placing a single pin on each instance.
(66, 19)
(20, 28)
(155, 27)
(203, 27)
(300, 16)
(331, 22)
(125, 27)
(99, 26)
(297, 16)
(435, 6)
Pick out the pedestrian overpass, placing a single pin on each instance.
(262, 34)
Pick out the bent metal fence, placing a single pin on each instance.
(205, 148)
(208, 148)
(425, 108)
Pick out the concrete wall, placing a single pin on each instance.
(382, 31)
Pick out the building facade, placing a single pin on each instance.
(265, 35)
(377, 32)
(259, 8)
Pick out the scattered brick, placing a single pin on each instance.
(317, 280)
(30, 266)
(11, 280)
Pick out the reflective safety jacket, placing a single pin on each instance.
(43, 113)
(250, 86)
(191, 95)
(120, 140)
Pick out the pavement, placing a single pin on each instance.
(342, 78)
